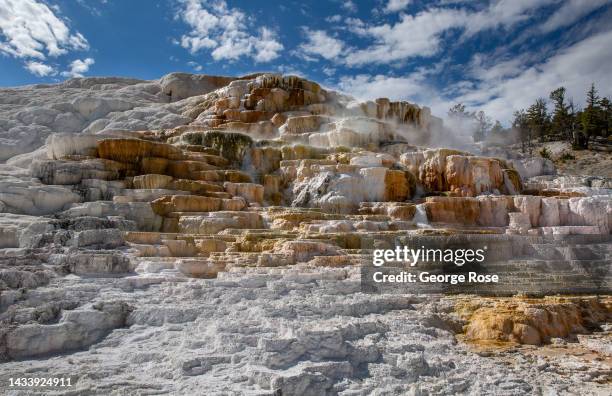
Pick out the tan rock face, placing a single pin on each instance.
(152, 181)
(297, 152)
(265, 159)
(302, 251)
(396, 186)
(401, 112)
(278, 119)
(61, 145)
(209, 245)
(177, 169)
(134, 150)
(246, 106)
(252, 193)
(199, 268)
(395, 210)
(196, 187)
(512, 180)
(429, 167)
(215, 222)
(470, 176)
(338, 172)
(190, 203)
(519, 223)
(590, 215)
(494, 210)
(577, 211)
(272, 192)
(529, 205)
(65, 172)
(298, 125)
(534, 321)
(273, 171)
(452, 210)
(340, 188)
(460, 173)
(353, 132)
(231, 145)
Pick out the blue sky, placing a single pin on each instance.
(496, 55)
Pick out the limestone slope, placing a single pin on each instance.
(202, 232)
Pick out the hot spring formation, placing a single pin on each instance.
(199, 232)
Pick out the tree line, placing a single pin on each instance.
(563, 122)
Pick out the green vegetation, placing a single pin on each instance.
(231, 145)
(579, 127)
(545, 153)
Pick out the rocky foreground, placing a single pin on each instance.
(206, 235)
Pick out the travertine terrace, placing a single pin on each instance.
(202, 232)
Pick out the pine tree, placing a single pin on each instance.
(520, 125)
(606, 115)
(592, 97)
(574, 125)
(458, 110)
(561, 122)
(538, 119)
(497, 127)
(483, 125)
(590, 116)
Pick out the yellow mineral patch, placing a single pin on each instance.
(531, 321)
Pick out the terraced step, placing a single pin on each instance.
(157, 237)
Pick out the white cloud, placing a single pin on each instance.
(291, 70)
(334, 18)
(413, 88)
(421, 35)
(499, 88)
(396, 5)
(329, 71)
(355, 23)
(225, 32)
(318, 42)
(267, 48)
(90, 6)
(417, 35)
(499, 94)
(499, 70)
(350, 6)
(367, 87)
(570, 12)
(31, 30)
(40, 69)
(504, 13)
(196, 66)
(78, 67)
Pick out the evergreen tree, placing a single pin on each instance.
(497, 127)
(606, 116)
(521, 125)
(574, 119)
(590, 116)
(592, 97)
(458, 110)
(483, 125)
(561, 119)
(538, 119)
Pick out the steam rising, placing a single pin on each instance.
(359, 119)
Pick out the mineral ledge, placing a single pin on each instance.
(204, 235)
